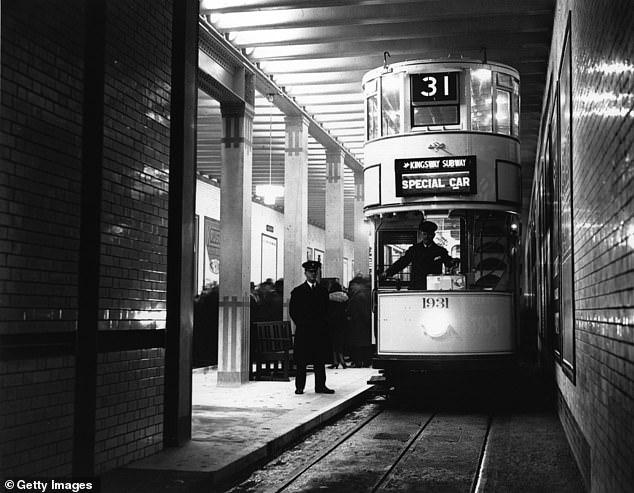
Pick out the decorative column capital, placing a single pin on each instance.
(334, 164)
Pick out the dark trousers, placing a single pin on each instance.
(320, 376)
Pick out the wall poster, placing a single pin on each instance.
(318, 255)
(211, 272)
(269, 258)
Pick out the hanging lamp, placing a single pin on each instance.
(270, 192)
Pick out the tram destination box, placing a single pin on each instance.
(446, 282)
(435, 176)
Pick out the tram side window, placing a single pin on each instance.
(503, 112)
(423, 116)
(481, 100)
(373, 116)
(391, 105)
(394, 244)
(372, 109)
(516, 108)
(491, 262)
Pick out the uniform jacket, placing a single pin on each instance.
(308, 309)
(424, 260)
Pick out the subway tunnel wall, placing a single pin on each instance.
(586, 252)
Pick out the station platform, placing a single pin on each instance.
(237, 428)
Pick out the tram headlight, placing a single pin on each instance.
(435, 323)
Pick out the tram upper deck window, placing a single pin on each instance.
(516, 108)
(435, 98)
(392, 123)
(503, 112)
(494, 102)
(481, 109)
(372, 109)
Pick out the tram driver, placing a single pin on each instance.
(426, 257)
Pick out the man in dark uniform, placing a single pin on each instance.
(307, 307)
(426, 258)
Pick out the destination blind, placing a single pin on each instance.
(435, 176)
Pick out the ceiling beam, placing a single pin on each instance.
(265, 85)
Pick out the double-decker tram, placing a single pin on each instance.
(442, 147)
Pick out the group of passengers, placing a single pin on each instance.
(348, 330)
(348, 316)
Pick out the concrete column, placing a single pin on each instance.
(182, 204)
(235, 245)
(295, 203)
(333, 262)
(361, 246)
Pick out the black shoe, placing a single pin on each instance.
(333, 367)
(324, 390)
(298, 391)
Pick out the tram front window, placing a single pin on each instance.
(481, 242)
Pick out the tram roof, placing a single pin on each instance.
(318, 51)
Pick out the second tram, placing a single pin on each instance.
(442, 145)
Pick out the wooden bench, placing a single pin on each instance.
(271, 350)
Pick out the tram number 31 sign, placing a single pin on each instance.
(430, 88)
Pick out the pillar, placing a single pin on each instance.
(361, 244)
(180, 248)
(334, 215)
(235, 244)
(295, 203)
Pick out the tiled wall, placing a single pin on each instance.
(136, 160)
(43, 46)
(36, 416)
(129, 422)
(40, 160)
(134, 227)
(40, 172)
(601, 397)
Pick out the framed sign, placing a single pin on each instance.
(318, 255)
(435, 176)
(434, 88)
(435, 99)
(268, 261)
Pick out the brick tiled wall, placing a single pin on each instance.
(40, 172)
(36, 416)
(40, 203)
(129, 407)
(134, 227)
(136, 160)
(40, 158)
(601, 401)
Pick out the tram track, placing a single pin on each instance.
(384, 477)
(392, 449)
(301, 470)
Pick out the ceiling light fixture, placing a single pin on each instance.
(270, 192)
